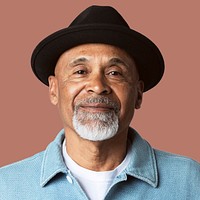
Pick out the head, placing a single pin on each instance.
(96, 88)
(92, 75)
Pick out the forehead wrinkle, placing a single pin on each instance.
(100, 56)
(75, 61)
(118, 61)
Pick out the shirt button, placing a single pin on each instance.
(69, 179)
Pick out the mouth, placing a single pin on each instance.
(96, 108)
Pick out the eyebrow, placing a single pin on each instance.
(78, 60)
(115, 60)
(118, 61)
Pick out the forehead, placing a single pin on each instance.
(91, 50)
(95, 48)
(101, 53)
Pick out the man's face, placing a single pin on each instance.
(97, 87)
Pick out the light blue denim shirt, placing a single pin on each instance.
(150, 175)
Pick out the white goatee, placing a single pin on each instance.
(96, 126)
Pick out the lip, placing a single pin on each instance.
(96, 108)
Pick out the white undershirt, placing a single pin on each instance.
(95, 184)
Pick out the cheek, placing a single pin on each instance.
(68, 92)
(127, 98)
(67, 96)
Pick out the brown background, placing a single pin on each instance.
(169, 118)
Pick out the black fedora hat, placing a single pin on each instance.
(99, 24)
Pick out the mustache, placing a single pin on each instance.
(101, 100)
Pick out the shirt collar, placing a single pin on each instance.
(142, 164)
(53, 162)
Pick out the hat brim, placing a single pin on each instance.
(148, 58)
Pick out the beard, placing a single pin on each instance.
(96, 126)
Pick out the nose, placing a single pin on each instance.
(98, 85)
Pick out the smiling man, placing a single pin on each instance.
(97, 70)
(88, 87)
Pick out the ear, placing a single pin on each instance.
(140, 89)
(53, 90)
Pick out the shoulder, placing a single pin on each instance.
(21, 179)
(179, 173)
(31, 165)
(24, 162)
(177, 167)
(175, 159)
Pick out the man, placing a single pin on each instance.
(97, 70)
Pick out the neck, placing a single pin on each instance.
(97, 156)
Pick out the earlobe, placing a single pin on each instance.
(140, 89)
(53, 90)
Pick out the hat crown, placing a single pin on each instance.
(99, 15)
(99, 24)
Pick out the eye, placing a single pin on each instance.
(114, 73)
(80, 72)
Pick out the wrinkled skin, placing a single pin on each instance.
(93, 70)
